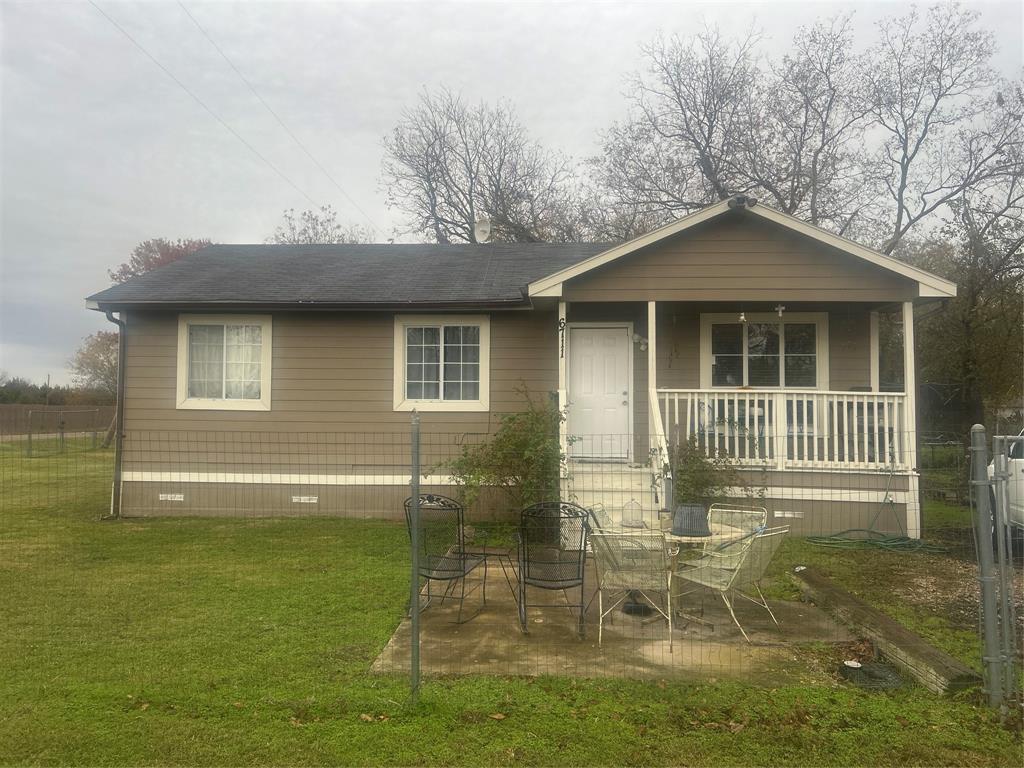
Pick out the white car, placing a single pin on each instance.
(1015, 487)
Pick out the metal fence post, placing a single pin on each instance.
(1004, 561)
(983, 522)
(414, 578)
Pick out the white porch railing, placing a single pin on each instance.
(792, 429)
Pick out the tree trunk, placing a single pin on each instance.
(111, 430)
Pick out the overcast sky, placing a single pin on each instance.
(100, 149)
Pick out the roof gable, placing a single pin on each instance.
(928, 284)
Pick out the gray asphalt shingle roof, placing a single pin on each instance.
(350, 275)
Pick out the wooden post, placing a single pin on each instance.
(910, 422)
(875, 352)
(652, 366)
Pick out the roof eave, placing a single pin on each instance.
(305, 306)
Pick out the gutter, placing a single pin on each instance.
(122, 343)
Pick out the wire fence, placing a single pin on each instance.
(604, 557)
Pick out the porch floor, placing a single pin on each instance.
(491, 643)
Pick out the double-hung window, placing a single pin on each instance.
(224, 362)
(441, 363)
(765, 351)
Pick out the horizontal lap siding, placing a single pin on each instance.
(678, 346)
(739, 260)
(331, 409)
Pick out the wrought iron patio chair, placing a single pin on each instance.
(443, 553)
(551, 553)
(736, 570)
(635, 566)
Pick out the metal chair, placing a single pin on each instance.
(442, 545)
(737, 568)
(634, 565)
(744, 521)
(550, 554)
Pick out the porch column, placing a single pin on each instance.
(563, 427)
(652, 365)
(875, 352)
(910, 421)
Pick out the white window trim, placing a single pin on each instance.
(401, 403)
(820, 320)
(185, 402)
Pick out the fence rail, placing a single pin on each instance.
(791, 429)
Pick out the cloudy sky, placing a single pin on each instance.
(100, 148)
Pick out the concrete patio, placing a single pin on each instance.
(491, 642)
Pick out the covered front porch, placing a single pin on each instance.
(794, 394)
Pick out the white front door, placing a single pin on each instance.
(599, 392)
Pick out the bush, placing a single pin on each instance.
(522, 457)
(700, 479)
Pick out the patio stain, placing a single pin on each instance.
(491, 642)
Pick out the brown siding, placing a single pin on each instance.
(739, 260)
(678, 344)
(332, 373)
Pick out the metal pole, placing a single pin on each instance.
(28, 447)
(983, 533)
(414, 580)
(1004, 561)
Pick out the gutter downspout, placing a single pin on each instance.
(122, 343)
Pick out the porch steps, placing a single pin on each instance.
(624, 490)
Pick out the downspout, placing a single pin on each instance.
(115, 497)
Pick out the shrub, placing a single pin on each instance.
(701, 479)
(522, 457)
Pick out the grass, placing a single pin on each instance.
(247, 642)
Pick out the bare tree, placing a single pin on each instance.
(448, 164)
(678, 149)
(313, 227)
(981, 331)
(801, 145)
(944, 131)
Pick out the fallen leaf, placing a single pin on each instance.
(497, 716)
(144, 706)
(366, 718)
(239, 704)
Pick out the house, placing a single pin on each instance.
(745, 330)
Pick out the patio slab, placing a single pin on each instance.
(491, 643)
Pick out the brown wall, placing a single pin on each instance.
(333, 372)
(678, 341)
(733, 259)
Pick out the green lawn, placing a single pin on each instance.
(248, 642)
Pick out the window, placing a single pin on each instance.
(765, 351)
(441, 363)
(224, 362)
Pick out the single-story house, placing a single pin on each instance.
(740, 328)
